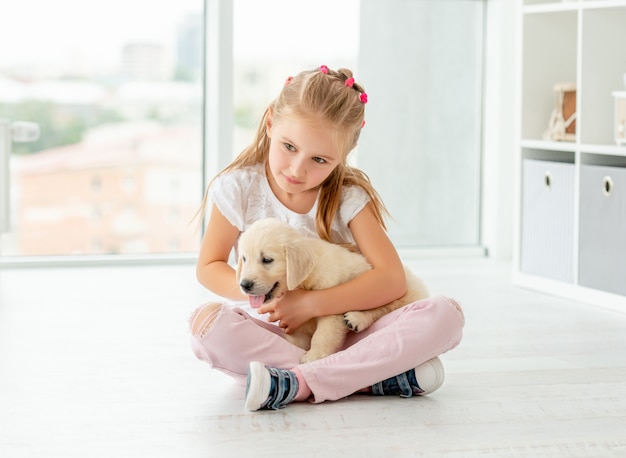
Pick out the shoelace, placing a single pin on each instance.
(398, 385)
(283, 389)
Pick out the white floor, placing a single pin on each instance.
(94, 362)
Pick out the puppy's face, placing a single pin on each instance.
(272, 258)
(261, 265)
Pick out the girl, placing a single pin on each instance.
(296, 170)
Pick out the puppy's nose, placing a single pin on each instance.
(246, 285)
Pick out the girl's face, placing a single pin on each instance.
(302, 153)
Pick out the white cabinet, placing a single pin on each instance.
(547, 234)
(602, 247)
(571, 230)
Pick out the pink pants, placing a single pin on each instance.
(397, 342)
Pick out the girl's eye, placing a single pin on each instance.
(319, 160)
(290, 147)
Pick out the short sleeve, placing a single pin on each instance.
(228, 196)
(353, 200)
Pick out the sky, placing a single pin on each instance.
(91, 33)
(293, 28)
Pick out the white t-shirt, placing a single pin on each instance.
(244, 196)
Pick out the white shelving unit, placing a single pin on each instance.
(571, 227)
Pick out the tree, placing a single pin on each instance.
(59, 125)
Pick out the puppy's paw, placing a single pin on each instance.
(357, 321)
(311, 356)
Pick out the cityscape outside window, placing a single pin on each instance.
(116, 88)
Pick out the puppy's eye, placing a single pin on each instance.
(267, 260)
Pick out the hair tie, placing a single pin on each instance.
(363, 97)
(350, 82)
(288, 80)
(363, 124)
(324, 69)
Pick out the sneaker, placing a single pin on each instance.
(269, 388)
(422, 380)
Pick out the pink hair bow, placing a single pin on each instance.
(363, 97)
(324, 69)
(350, 82)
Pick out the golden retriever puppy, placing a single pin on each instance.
(273, 258)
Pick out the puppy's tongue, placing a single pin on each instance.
(256, 301)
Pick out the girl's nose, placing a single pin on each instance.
(297, 167)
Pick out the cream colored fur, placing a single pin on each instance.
(273, 258)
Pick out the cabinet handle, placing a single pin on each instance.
(607, 185)
(547, 180)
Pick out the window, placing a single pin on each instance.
(117, 90)
(273, 39)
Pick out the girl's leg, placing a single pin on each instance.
(396, 343)
(229, 339)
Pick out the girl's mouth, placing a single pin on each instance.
(291, 180)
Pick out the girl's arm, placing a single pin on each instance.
(381, 285)
(212, 269)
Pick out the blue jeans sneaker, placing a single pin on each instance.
(269, 388)
(430, 375)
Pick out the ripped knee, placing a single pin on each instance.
(203, 318)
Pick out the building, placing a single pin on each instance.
(125, 189)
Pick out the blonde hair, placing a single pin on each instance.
(326, 95)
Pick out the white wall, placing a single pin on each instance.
(421, 63)
(448, 181)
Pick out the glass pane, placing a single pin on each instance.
(116, 88)
(274, 39)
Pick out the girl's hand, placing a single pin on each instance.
(291, 310)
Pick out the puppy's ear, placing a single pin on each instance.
(298, 263)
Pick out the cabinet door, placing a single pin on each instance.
(602, 253)
(547, 233)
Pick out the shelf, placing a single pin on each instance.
(600, 149)
(549, 146)
(604, 33)
(597, 4)
(571, 232)
(549, 57)
(610, 150)
(551, 7)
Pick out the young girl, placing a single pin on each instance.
(296, 170)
